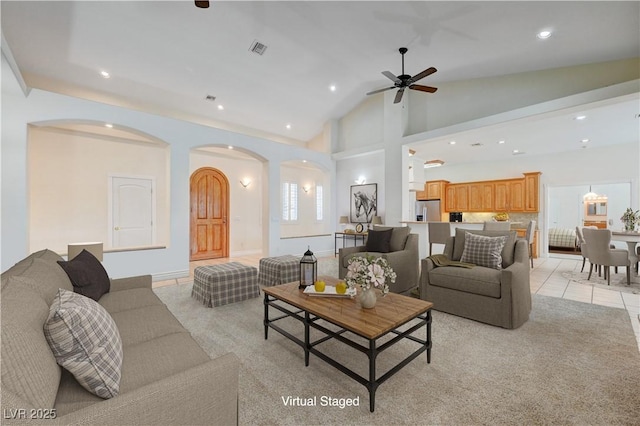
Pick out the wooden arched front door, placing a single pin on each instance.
(209, 228)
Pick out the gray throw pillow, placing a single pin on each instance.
(379, 241)
(88, 276)
(483, 251)
(398, 236)
(86, 342)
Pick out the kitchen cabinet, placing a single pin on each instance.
(532, 192)
(457, 197)
(433, 190)
(505, 195)
(509, 195)
(481, 197)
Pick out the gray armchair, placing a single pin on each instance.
(403, 259)
(500, 297)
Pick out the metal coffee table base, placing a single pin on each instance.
(372, 351)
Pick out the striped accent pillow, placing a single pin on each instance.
(86, 342)
(482, 250)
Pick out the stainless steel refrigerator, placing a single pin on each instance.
(428, 211)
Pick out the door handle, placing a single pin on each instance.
(117, 228)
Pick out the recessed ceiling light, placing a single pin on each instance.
(288, 126)
(544, 34)
(105, 74)
(517, 152)
(220, 107)
(500, 142)
(333, 88)
(230, 147)
(109, 125)
(584, 140)
(580, 117)
(452, 143)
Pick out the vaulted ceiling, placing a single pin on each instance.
(166, 57)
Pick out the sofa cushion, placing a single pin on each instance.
(124, 300)
(143, 364)
(46, 277)
(477, 280)
(85, 341)
(29, 369)
(379, 241)
(483, 251)
(508, 251)
(146, 323)
(87, 275)
(398, 237)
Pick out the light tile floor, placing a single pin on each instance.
(546, 279)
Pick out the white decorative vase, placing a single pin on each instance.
(368, 298)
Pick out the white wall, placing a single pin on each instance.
(245, 204)
(306, 224)
(462, 101)
(18, 111)
(371, 167)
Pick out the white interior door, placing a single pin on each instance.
(132, 212)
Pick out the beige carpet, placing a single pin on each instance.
(572, 363)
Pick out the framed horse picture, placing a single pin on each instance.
(364, 203)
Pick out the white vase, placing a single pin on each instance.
(368, 298)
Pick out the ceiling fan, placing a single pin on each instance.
(202, 4)
(403, 80)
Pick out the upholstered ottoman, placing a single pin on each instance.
(278, 270)
(218, 285)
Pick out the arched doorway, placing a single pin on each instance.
(209, 227)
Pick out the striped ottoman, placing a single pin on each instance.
(218, 285)
(278, 270)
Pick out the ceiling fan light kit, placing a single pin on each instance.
(403, 81)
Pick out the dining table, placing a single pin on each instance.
(632, 238)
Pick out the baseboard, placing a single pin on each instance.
(240, 253)
(164, 276)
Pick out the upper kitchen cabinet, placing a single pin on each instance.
(481, 197)
(508, 195)
(433, 190)
(457, 197)
(532, 192)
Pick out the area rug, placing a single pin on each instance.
(571, 363)
(618, 281)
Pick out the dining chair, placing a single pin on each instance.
(496, 226)
(438, 233)
(531, 229)
(582, 245)
(600, 253)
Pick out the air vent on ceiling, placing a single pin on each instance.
(257, 47)
(476, 144)
(210, 98)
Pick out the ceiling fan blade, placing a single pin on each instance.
(391, 76)
(423, 88)
(202, 4)
(398, 96)
(423, 74)
(381, 90)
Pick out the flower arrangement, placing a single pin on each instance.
(370, 272)
(630, 218)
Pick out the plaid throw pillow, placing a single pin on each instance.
(86, 342)
(483, 251)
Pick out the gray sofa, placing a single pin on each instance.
(500, 297)
(404, 258)
(166, 376)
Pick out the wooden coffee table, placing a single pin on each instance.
(390, 313)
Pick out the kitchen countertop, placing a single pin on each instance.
(420, 222)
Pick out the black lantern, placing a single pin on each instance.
(308, 269)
